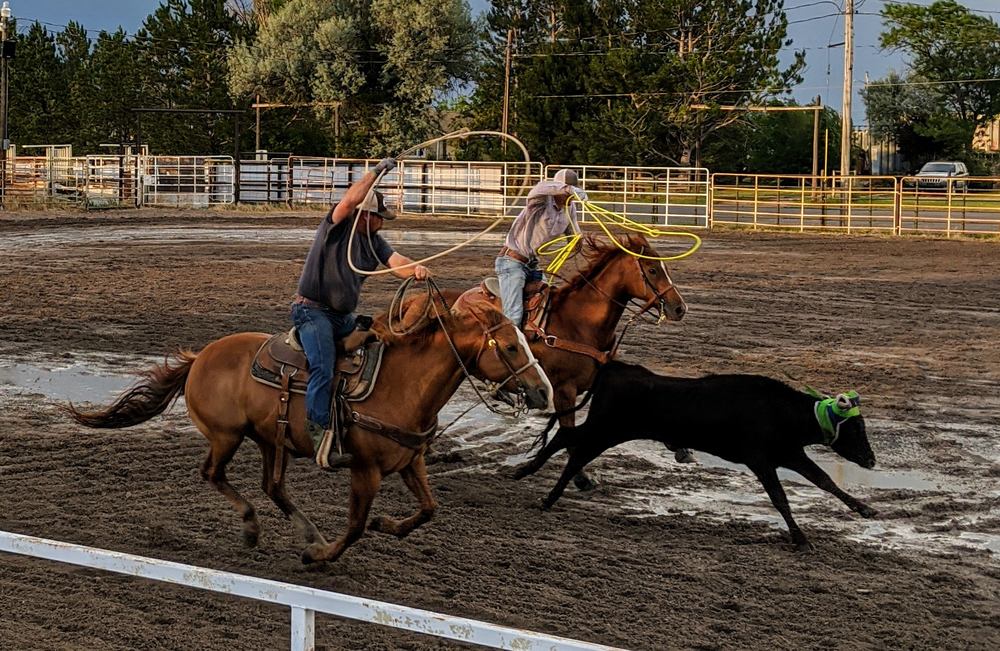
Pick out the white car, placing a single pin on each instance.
(935, 174)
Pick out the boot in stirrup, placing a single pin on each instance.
(329, 454)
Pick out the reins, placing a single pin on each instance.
(435, 294)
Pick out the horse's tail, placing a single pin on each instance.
(156, 389)
(542, 440)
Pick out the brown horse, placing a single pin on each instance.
(419, 374)
(584, 313)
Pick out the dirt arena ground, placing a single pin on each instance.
(659, 556)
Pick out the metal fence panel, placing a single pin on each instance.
(671, 196)
(803, 202)
(264, 181)
(419, 186)
(951, 206)
(187, 181)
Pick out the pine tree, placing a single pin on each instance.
(182, 50)
(73, 46)
(35, 91)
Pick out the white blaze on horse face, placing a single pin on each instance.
(550, 407)
(670, 280)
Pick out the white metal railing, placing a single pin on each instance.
(663, 195)
(802, 202)
(187, 181)
(304, 602)
(419, 186)
(671, 196)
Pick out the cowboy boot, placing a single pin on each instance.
(328, 456)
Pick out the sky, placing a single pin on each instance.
(814, 26)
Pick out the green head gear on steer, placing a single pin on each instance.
(831, 413)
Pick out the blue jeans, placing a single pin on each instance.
(318, 330)
(513, 275)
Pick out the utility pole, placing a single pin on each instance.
(257, 129)
(506, 81)
(845, 117)
(815, 168)
(504, 120)
(6, 54)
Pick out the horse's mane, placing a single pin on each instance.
(599, 252)
(414, 317)
(419, 321)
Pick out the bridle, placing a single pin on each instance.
(488, 342)
(491, 342)
(658, 296)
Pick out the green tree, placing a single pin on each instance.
(777, 142)
(182, 49)
(956, 51)
(116, 87)
(385, 63)
(73, 46)
(35, 90)
(630, 81)
(905, 111)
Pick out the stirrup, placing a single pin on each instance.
(329, 456)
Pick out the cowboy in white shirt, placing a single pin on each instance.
(544, 218)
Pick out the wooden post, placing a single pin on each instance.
(505, 118)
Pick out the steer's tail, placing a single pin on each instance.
(543, 438)
(156, 389)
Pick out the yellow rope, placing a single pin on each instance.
(561, 254)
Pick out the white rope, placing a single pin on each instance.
(455, 135)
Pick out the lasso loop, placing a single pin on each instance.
(461, 134)
(562, 253)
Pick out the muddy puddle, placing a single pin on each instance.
(75, 382)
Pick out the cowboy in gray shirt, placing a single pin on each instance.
(328, 294)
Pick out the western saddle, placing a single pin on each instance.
(537, 299)
(281, 363)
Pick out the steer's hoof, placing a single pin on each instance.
(867, 512)
(522, 471)
(803, 546)
(683, 455)
(584, 483)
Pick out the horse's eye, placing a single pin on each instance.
(652, 270)
(511, 348)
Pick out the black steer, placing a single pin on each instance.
(749, 419)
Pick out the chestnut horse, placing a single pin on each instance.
(420, 372)
(584, 313)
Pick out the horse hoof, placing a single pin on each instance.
(584, 483)
(310, 553)
(803, 546)
(250, 537)
(378, 524)
(683, 455)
